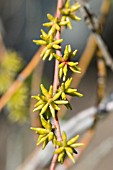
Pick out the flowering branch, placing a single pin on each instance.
(48, 102)
(55, 85)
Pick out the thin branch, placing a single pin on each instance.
(101, 78)
(93, 24)
(55, 86)
(56, 79)
(58, 52)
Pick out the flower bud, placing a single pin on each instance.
(68, 82)
(73, 140)
(38, 108)
(57, 47)
(61, 101)
(40, 42)
(57, 95)
(52, 110)
(40, 131)
(50, 137)
(48, 24)
(59, 150)
(60, 73)
(61, 157)
(42, 140)
(70, 156)
(44, 109)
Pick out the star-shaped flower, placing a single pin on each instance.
(46, 133)
(66, 90)
(50, 45)
(48, 101)
(54, 23)
(68, 12)
(66, 62)
(67, 147)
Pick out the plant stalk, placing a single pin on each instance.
(55, 86)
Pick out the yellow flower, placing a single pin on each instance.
(46, 133)
(48, 101)
(66, 90)
(66, 62)
(50, 45)
(54, 23)
(68, 12)
(67, 147)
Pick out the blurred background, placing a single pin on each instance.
(20, 24)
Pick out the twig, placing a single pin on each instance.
(104, 11)
(93, 24)
(55, 86)
(101, 79)
(104, 50)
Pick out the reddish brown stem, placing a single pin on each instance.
(56, 79)
(58, 52)
(59, 5)
(57, 125)
(53, 163)
(55, 86)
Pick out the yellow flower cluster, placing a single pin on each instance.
(48, 102)
(66, 62)
(46, 133)
(67, 147)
